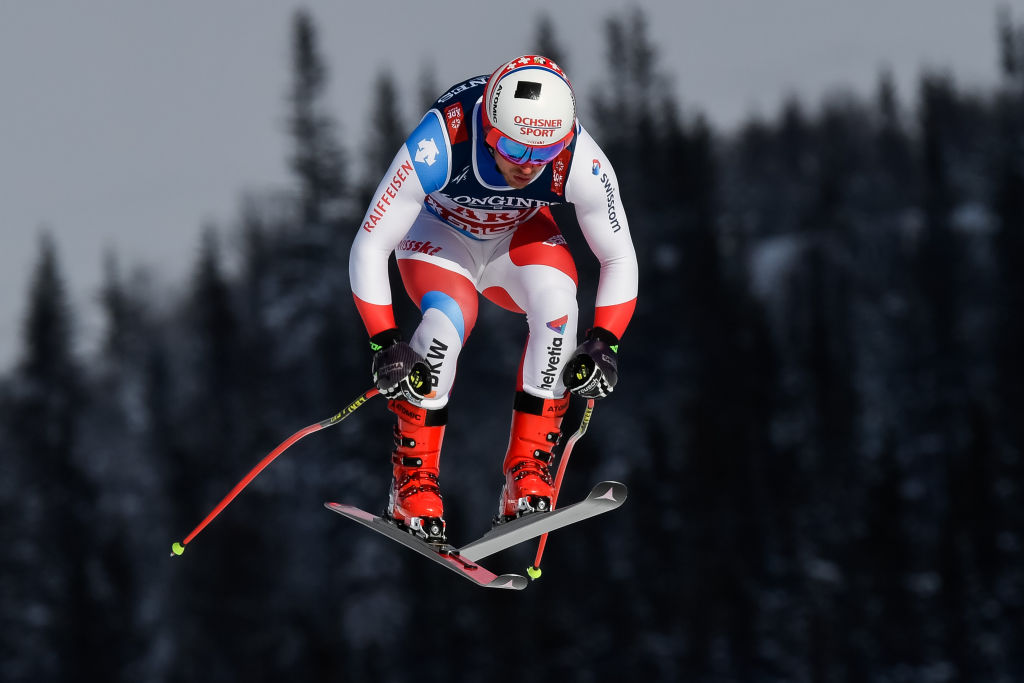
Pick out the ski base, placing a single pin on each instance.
(445, 555)
(604, 497)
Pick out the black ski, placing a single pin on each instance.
(604, 497)
(445, 555)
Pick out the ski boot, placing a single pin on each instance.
(415, 500)
(527, 466)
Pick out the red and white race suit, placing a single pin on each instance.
(458, 230)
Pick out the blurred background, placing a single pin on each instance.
(819, 409)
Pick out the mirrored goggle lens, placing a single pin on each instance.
(518, 153)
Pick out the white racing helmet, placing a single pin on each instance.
(529, 110)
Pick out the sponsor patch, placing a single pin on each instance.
(435, 359)
(380, 207)
(609, 191)
(527, 90)
(483, 217)
(559, 169)
(419, 247)
(558, 326)
(426, 152)
(550, 373)
(454, 118)
(462, 87)
(428, 146)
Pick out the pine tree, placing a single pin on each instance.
(1011, 48)
(215, 336)
(895, 173)
(48, 357)
(317, 159)
(55, 611)
(938, 257)
(1008, 401)
(626, 106)
(547, 43)
(386, 133)
(127, 314)
(427, 90)
(130, 504)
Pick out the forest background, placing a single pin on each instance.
(818, 418)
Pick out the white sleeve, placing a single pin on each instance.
(397, 201)
(594, 189)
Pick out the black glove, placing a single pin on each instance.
(398, 371)
(593, 368)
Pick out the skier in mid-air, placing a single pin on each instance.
(465, 208)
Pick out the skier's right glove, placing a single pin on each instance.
(398, 371)
(593, 369)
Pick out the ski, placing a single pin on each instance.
(604, 497)
(445, 555)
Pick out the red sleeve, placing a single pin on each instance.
(615, 318)
(376, 317)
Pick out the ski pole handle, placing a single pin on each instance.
(578, 371)
(178, 547)
(419, 379)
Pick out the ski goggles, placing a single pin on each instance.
(520, 154)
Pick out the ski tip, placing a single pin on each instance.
(509, 582)
(613, 491)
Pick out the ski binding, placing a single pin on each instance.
(445, 555)
(604, 497)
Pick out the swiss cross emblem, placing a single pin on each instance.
(533, 59)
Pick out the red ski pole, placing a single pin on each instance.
(534, 571)
(178, 547)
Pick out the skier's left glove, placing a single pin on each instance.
(398, 371)
(593, 369)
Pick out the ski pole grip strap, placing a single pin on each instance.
(603, 335)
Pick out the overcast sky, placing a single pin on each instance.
(127, 125)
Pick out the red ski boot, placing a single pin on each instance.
(415, 500)
(528, 477)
